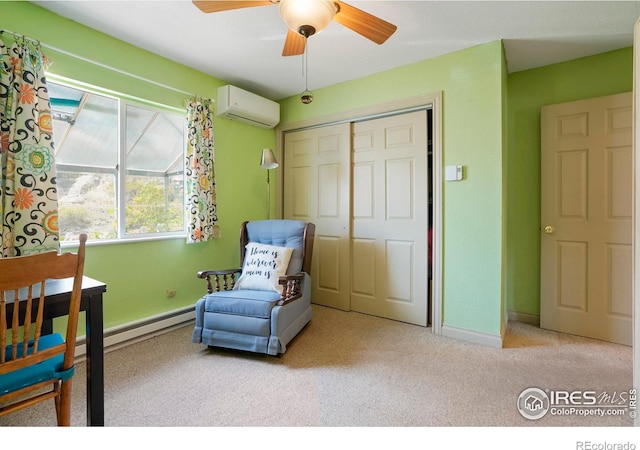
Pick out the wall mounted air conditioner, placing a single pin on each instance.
(238, 104)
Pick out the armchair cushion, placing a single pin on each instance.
(263, 266)
(245, 302)
(283, 233)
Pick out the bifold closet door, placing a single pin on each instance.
(317, 189)
(389, 249)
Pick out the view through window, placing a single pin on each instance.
(112, 184)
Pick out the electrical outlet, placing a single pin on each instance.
(171, 293)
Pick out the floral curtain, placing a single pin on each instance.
(201, 203)
(28, 195)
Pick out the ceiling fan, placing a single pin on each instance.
(308, 17)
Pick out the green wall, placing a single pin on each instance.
(471, 84)
(138, 274)
(594, 76)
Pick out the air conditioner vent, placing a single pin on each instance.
(237, 104)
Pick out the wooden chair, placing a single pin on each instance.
(45, 370)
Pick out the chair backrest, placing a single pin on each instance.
(26, 277)
(295, 234)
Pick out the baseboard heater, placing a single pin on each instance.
(140, 330)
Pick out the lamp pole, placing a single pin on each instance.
(268, 196)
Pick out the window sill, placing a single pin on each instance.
(129, 240)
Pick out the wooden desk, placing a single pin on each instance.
(58, 294)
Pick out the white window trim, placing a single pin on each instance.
(123, 102)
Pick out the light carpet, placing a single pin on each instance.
(347, 369)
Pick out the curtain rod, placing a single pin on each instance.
(90, 61)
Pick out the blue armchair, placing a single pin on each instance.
(261, 306)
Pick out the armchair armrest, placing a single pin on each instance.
(291, 288)
(227, 277)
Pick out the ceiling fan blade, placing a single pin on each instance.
(294, 44)
(363, 23)
(226, 5)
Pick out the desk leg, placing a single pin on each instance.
(95, 362)
(47, 326)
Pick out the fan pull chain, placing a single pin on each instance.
(307, 96)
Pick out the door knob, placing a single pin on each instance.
(549, 229)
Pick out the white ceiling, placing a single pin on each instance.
(244, 46)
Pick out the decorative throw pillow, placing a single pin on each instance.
(263, 265)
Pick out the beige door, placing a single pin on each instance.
(317, 189)
(587, 210)
(390, 218)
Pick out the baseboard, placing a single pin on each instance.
(528, 318)
(130, 333)
(140, 330)
(476, 337)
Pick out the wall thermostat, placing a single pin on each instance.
(453, 173)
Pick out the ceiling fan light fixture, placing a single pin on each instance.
(307, 17)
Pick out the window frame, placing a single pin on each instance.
(123, 101)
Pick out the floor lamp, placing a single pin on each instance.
(268, 162)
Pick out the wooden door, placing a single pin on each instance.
(587, 212)
(317, 189)
(389, 260)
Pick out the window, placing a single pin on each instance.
(119, 166)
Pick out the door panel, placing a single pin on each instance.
(363, 283)
(317, 189)
(572, 274)
(390, 218)
(587, 173)
(298, 205)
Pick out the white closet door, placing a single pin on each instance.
(390, 218)
(317, 189)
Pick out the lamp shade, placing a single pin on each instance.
(268, 160)
(307, 16)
